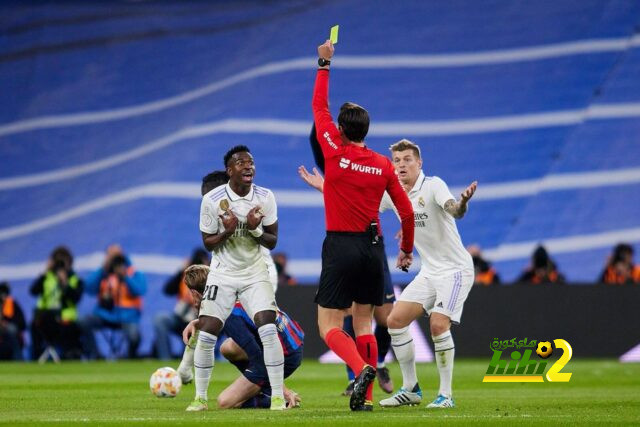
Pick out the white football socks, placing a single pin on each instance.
(404, 350)
(445, 350)
(273, 358)
(203, 361)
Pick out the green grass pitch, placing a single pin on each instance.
(600, 391)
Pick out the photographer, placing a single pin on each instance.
(183, 312)
(120, 289)
(55, 317)
(485, 273)
(12, 325)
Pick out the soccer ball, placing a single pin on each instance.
(544, 349)
(165, 382)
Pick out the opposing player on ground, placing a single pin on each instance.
(209, 182)
(243, 349)
(444, 280)
(235, 220)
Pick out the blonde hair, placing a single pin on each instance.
(405, 144)
(195, 276)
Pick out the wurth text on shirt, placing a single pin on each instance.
(345, 163)
(328, 138)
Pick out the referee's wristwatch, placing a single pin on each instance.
(323, 62)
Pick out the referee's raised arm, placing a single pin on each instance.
(326, 131)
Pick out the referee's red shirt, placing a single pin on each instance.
(355, 177)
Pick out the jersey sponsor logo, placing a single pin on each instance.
(329, 141)
(364, 169)
(439, 304)
(344, 163)
(241, 230)
(420, 219)
(389, 296)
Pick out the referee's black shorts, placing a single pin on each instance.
(352, 271)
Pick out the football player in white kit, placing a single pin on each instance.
(444, 280)
(236, 219)
(185, 369)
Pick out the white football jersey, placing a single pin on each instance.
(240, 252)
(436, 235)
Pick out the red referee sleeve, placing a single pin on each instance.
(326, 131)
(405, 211)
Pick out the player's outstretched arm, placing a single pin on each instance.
(315, 180)
(457, 209)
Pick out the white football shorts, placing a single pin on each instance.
(254, 291)
(445, 295)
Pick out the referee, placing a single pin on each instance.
(352, 252)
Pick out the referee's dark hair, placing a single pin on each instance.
(234, 150)
(213, 180)
(353, 121)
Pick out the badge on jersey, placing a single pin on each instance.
(421, 202)
(206, 218)
(224, 205)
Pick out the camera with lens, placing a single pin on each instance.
(116, 266)
(59, 265)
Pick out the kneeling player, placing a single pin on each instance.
(243, 349)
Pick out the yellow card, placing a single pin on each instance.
(334, 34)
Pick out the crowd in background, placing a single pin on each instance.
(57, 330)
(618, 270)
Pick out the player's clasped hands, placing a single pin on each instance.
(254, 218)
(229, 221)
